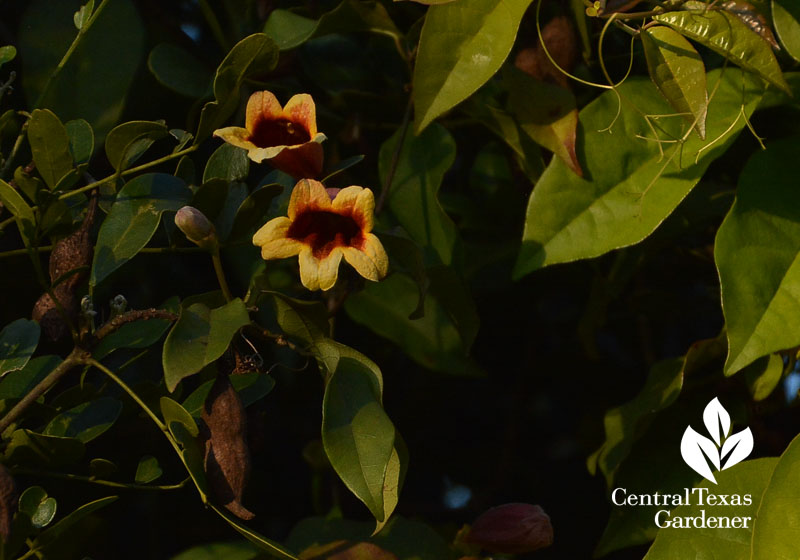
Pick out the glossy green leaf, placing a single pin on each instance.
(180, 71)
(726, 34)
(139, 334)
(290, 30)
(199, 337)
(61, 529)
(128, 141)
(81, 140)
(678, 72)
(545, 112)
(304, 320)
(37, 505)
(86, 421)
(763, 376)
(148, 470)
(748, 477)
(357, 434)
(776, 529)
(227, 162)
(17, 383)
(413, 198)
(30, 449)
(133, 220)
(234, 550)
(18, 341)
(252, 56)
(395, 477)
(757, 252)
(184, 429)
(628, 187)
(273, 548)
(433, 340)
(786, 19)
(7, 54)
(254, 211)
(50, 146)
(251, 387)
(462, 45)
(95, 79)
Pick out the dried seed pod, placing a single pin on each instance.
(227, 457)
(562, 44)
(8, 502)
(72, 253)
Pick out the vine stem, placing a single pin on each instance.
(223, 283)
(81, 32)
(92, 480)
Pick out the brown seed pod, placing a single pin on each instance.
(562, 44)
(69, 262)
(8, 502)
(227, 457)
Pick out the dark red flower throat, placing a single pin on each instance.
(324, 231)
(267, 133)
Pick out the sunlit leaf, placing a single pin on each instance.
(50, 146)
(786, 18)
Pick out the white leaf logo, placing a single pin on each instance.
(697, 450)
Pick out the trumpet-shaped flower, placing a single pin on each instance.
(286, 137)
(323, 227)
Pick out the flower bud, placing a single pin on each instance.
(197, 228)
(512, 529)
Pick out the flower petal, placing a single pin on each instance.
(273, 240)
(371, 261)
(308, 194)
(319, 274)
(302, 161)
(262, 104)
(357, 202)
(236, 136)
(300, 109)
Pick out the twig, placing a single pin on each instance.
(129, 317)
(93, 480)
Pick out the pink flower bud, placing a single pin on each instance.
(512, 529)
(197, 228)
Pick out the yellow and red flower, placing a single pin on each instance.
(322, 227)
(285, 136)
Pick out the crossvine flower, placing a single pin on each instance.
(286, 136)
(323, 226)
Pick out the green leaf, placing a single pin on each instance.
(102, 468)
(726, 34)
(757, 252)
(262, 542)
(432, 341)
(61, 529)
(253, 55)
(251, 387)
(178, 420)
(139, 334)
(148, 470)
(254, 211)
(18, 341)
(304, 320)
(128, 141)
(628, 187)
(82, 16)
(678, 72)
(81, 140)
(36, 504)
(763, 376)
(86, 421)
(227, 162)
(50, 146)
(786, 19)
(23, 214)
(133, 220)
(179, 70)
(183, 428)
(290, 30)
(776, 528)
(200, 336)
(748, 477)
(413, 198)
(235, 550)
(357, 434)
(545, 112)
(28, 448)
(7, 54)
(17, 383)
(94, 81)
(462, 45)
